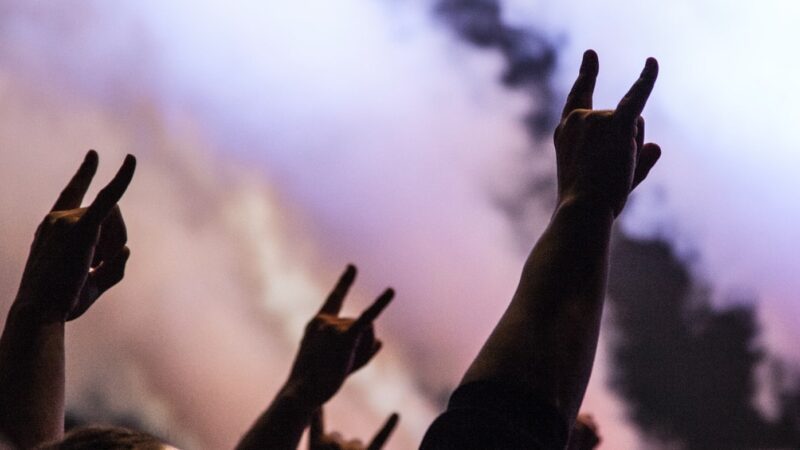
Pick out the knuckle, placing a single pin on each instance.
(575, 117)
(324, 325)
(315, 324)
(599, 119)
(58, 221)
(50, 219)
(557, 132)
(39, 230)
(593, 120)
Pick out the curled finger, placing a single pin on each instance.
(632, 104)
(103, 204)
(370, 314)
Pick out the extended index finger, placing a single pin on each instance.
(580, 96)
(102, 205)
(383, 435)
(333, 304)
(632, 104)
(72, 195)
(372, 313)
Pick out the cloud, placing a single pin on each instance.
(280, 141)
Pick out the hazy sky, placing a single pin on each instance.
(278, 142)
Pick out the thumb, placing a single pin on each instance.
(648, 156)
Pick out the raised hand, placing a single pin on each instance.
(601, 154)
(318, 440)
(333, 347)
(77, 253)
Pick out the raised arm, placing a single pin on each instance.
(76, 255)
(332, 348)
(545, 342)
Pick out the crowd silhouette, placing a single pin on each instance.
(522, 391)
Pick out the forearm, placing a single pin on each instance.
(281, 426)
(31, 378)
(567, 269)
(547, 337)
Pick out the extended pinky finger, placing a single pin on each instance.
(102, 205)
(631, 106)
(372, 313)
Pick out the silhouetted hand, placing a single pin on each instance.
(333, 347)
(77, 253)
(601, 154)
(584, 434)
(318, 440)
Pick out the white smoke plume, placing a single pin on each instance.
(278, 141)
(202, 331)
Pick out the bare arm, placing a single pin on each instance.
(332, 348)
(546, 340)
(281, 425)
(77, 254)
(31, 379)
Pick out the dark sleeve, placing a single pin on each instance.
(488, 415)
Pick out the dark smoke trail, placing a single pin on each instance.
(530, 62)
(687, 371)
(530, 56)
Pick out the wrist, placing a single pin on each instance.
(590, 205)
(294, 395)
(27, 311)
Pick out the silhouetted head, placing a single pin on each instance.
(107, 438)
